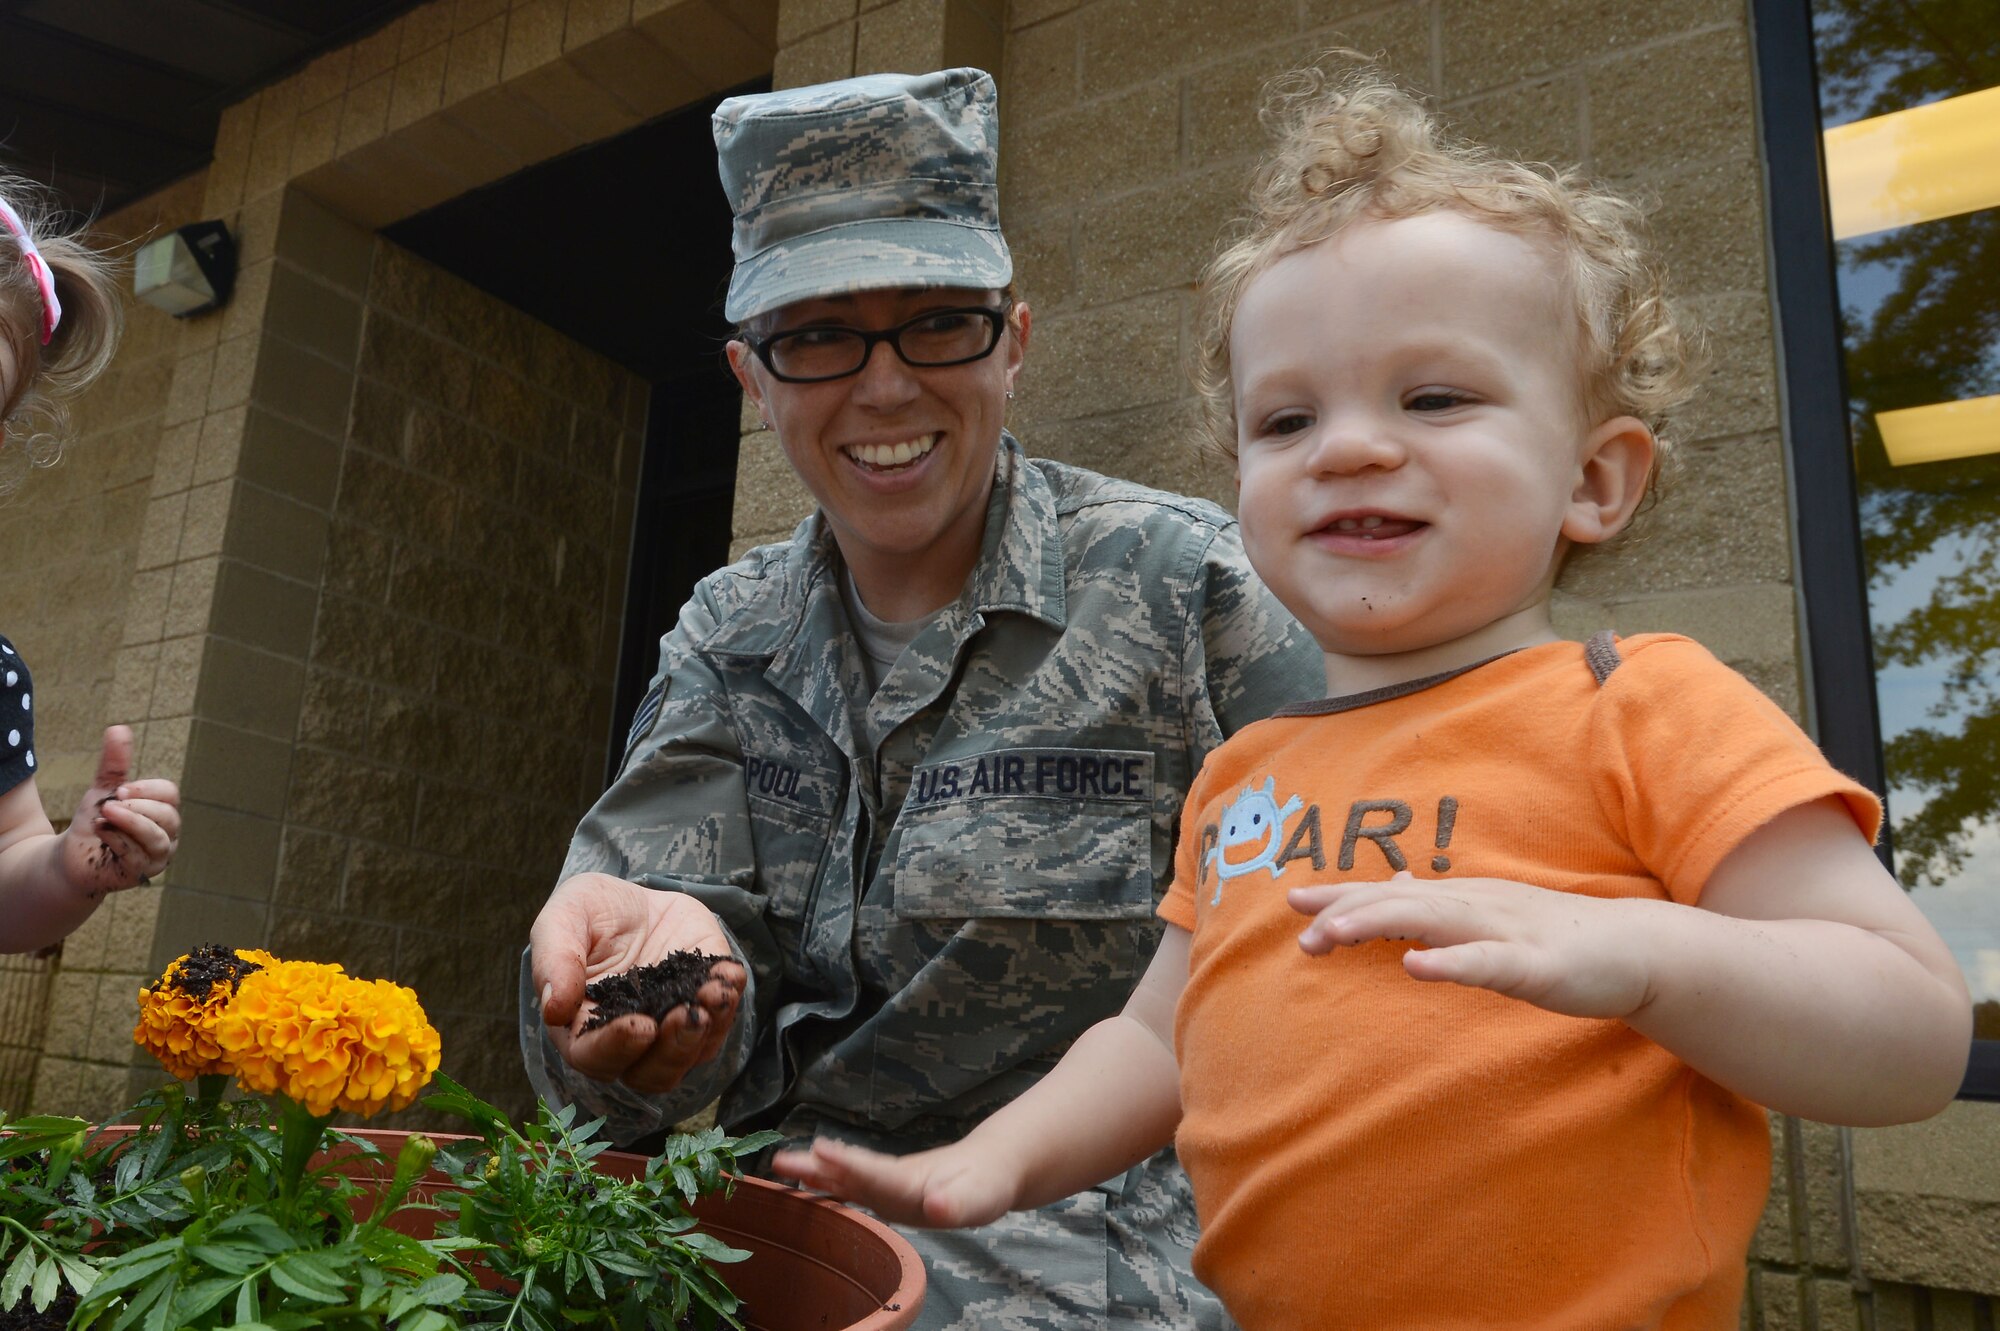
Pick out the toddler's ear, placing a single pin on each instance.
(1617, 462)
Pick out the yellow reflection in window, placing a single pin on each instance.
(1912, 166)
(1941, 431)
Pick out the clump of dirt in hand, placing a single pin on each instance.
(653, 991)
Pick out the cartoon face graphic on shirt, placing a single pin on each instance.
(1253, 819)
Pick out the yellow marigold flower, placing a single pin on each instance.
(179, 1011)
(311, 1032)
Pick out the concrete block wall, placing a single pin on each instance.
(1927, 1215)
(458, 93)
(453, 700)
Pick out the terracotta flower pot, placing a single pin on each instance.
(814, 1264)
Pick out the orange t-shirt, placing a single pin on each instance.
(1368, 1150)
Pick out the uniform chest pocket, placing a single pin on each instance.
(791, 818)
(1057, 834)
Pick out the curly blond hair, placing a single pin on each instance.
(1354, 146)
(34, 414)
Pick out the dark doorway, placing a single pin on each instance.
(624, 247)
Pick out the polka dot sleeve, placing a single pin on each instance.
(17, 719)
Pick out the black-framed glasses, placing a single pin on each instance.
(935, 338)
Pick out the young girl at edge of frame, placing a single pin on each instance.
(59, 324)
(1476, 972)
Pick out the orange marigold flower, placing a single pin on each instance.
(179, 1011)
(311, 1032)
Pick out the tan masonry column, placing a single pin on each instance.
(374, 605)
(221, 611)
(820, 40)
(78, 525)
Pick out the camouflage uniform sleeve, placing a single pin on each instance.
(1244, 654)
(676, 819)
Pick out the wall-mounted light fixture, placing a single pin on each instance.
(190, 270)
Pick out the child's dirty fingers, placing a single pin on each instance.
(821, 1167)
(812, 1167)
(131, 828)
(166, 817)
(892, 1186)
(1325, 896)
(116, 759)
(149, 788)
(1434, 920)
(1482, 964)
(802, 1168)
(1310, 900)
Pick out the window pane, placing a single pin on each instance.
(1910, 100)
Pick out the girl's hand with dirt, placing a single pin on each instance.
(123, 832)
(1580, 956)
(596, 925)
(952, 1187)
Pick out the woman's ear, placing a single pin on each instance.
(1021, 320)
(740, 360)
(1611, 481)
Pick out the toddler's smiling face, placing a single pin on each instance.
(1413, 447)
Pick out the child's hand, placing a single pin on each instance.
(1580, 956)
(124, 831)
(947, 1188)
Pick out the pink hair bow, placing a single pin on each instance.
(37, 267)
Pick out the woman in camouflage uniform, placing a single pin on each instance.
(917, 770)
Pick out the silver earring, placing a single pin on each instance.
(1010, 395)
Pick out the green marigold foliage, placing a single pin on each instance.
(210, 1216)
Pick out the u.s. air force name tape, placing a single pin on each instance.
(1123, 775)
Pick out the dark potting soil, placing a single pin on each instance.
(23, 1317)
(655, 990)
(207, 966)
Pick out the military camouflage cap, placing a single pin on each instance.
(890, 180)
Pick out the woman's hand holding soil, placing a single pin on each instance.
(596, 925)
(952, 1187)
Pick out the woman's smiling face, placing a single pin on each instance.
(899, 458)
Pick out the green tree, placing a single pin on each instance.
(1934, 337)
